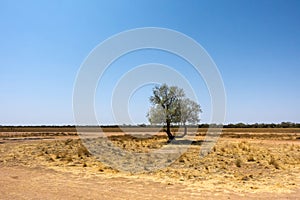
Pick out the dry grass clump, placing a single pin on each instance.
(260, 155)
(251, 158)
(238, 162)
(138, 143)
(244, 146)
(274, 162)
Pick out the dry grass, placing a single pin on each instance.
(237, 165)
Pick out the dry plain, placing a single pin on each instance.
(53, 163)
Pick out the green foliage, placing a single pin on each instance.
(171, 106)
(189, 111)
(156, 115)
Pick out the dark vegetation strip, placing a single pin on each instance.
(282, 127)
(61, 130)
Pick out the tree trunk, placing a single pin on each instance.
(170, 136)
(185, 130)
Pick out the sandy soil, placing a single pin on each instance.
(41, 183)
(60, 167)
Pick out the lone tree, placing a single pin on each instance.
(169, 106)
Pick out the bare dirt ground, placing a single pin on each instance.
(242, 165)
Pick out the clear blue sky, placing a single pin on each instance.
(255, 44)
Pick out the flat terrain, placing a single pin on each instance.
(57, 164)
